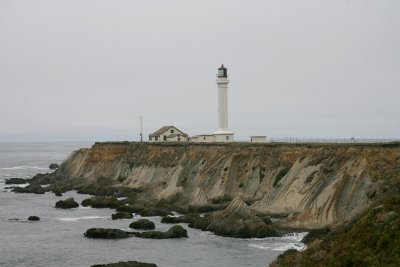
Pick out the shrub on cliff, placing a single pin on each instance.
(371, 239)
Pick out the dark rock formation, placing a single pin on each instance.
(121, 215)
(59, 187)
(187, 218)
(143, 224)
(101, 202)
(33, 218)
(16, 181)
(53, 166)
(237, 220)
(126, 264)
(67, 204)
(106, 233)
(44, 178)
(32, 188)
(101, 189)
(175, 231)
(133, 208)
(151, 212)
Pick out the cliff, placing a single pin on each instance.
(313, 185)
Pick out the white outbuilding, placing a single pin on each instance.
(258, 139)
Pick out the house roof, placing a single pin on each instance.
(164, 129)
(175, 135)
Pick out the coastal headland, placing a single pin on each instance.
(246, 190)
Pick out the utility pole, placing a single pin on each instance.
(141, 129)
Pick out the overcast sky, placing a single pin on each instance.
(86, 70)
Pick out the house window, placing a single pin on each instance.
(165, 138)
(204, 138)
(172, 131)
(156, 138)
(179, 139)
(227, 138)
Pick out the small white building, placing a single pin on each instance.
(168, 134)
(258, 139)
(203, 138)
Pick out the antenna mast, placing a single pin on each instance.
(141, 129)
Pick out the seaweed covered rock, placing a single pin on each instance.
(175, 231)
(126, 264)
(121, 215)
(142, 224)
(32, 188)
(187, 218)
(33, 218)
(16, 181)
(59, 187)
(237, 220)
(133, 208)
(43, 178)
(106, 233)
(151, 212)
(53, 166)
(102, 189)
(101, 202)
(67, 204)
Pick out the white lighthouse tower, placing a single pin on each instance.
(223, 134)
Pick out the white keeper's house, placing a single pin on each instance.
(168, 134)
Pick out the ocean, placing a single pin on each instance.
(58, 240)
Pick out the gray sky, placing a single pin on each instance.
(86, 70)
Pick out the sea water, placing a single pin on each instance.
(58, 240)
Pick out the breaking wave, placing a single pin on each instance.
(288, 241)
(24, 168)
(76, 219)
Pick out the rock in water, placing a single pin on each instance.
(32, 188)
(126, 264)
(187, 218)
(121, 215)
(101, 202)
(151, 212)
(67, 204)
(175, 231)
(106, 233)
(16, 181)
(237, 220)
(53, 166)
(33, 218)
(142, 224)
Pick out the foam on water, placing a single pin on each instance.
(82, 218)
(288, 241)
(23, 168)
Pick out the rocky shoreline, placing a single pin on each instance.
(232, 191)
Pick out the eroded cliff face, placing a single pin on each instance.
(316, 185)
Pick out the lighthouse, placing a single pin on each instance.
(223, 134)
